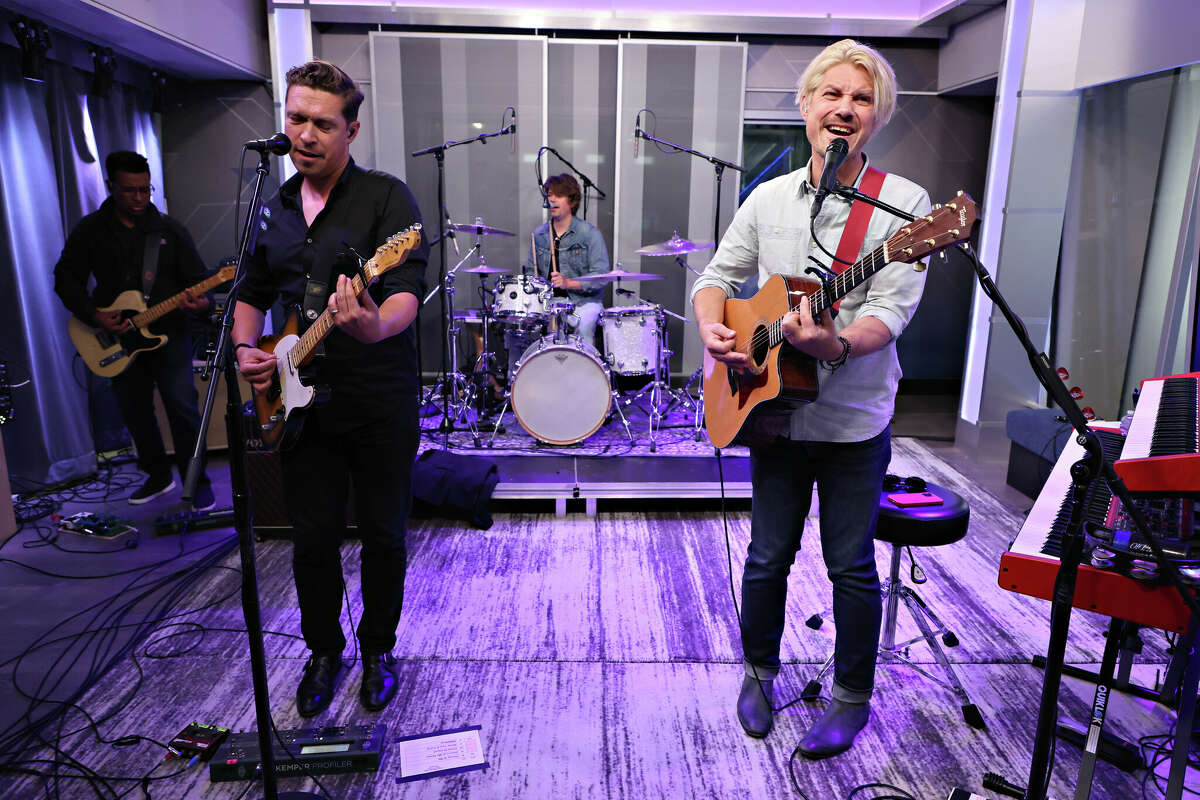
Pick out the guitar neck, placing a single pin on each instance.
(160, 309)
(320, 328)
(837, 288)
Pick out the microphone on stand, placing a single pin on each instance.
(279, 144)
(835, 155)
(637, 132)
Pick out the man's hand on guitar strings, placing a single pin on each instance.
(257, 367)
(719, 341)
(357, 316)
(112, 321)
(803, 333)
(194, 301)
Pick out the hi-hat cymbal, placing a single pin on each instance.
(484, 269)
(619, 275)
(479, 230)
(674, 246)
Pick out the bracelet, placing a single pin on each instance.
(833, 365)
(241, 344)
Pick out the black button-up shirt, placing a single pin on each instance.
(363, 210)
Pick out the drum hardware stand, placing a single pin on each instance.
(719, 166)
(454, 383)
(438, 151)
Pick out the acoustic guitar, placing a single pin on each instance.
(107, 353)
(755, 404)
(281, 409)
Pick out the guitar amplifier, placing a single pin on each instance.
(264, 477)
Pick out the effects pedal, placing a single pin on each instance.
(304, 751)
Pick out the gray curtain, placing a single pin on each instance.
(53, 139)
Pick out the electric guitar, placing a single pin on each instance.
(281, 409)
(756, 404)
(107, 353)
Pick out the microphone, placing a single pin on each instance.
(279, 144)
(637, 132)
(835, 154)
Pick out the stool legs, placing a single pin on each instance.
(891, 651)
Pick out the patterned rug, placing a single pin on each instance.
(600, 656)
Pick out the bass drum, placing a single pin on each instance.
(560, 390)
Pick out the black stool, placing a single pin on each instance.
(914, 526)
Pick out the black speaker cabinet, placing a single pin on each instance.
(264, 475)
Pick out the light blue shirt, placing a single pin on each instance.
(581, 251)
(770, 234)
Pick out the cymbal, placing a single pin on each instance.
(484, 269)
(479, 230)
(619, 275)
(674, 246)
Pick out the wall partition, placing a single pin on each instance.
(580, 97)
(692, 96)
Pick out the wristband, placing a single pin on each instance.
(833, 365)
(241, 344)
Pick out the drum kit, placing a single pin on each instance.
(560, 388)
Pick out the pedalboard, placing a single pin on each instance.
(299, 752)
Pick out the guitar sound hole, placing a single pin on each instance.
(761, 345)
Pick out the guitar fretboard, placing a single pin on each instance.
(837, 288)
(157, 310)
(323, 325)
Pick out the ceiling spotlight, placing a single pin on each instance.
(104, 64)
(34, 40)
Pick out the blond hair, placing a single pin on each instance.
(848, 51)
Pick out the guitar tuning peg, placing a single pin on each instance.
(919, 266)
(942, 256)
(936, 206)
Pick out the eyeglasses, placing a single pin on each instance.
(131, 191)
(911, 484)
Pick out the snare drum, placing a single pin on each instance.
(521, 299)
(632, 338)
(560, 390)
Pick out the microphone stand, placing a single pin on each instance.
(224, 362)
(438, 151)
(719, 167)
(1083, 473)
(584, 179)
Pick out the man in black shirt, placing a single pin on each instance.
(124, 237)
(366, 434)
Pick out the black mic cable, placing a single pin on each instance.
(637, 133)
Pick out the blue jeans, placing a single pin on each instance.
(849, 477)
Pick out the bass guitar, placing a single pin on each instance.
(755, 404)
(107, 353)
(281, 409)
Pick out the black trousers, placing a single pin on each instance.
(168, 368)
(376, 458)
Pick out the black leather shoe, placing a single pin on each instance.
(754, 706)
(834, 732)
(379, 683)
(315, 692)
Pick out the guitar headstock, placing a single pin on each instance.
(227, 272)
(393, 252)
(944, 225)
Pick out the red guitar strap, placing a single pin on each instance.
(860, 216)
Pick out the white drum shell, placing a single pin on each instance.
(522, 298)
(560, 390)
(632, 338)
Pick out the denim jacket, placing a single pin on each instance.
(581, 251)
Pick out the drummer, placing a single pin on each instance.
(567, 247)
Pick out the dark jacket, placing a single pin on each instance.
(101, 246)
